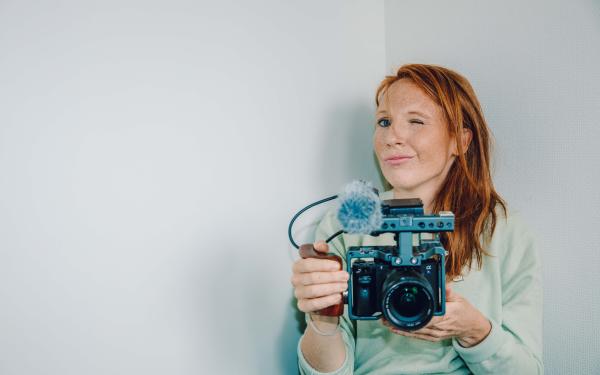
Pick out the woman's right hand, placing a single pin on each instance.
(318, 283)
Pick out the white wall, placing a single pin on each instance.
(534, 65)
(151, 154)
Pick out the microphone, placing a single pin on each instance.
(359, 212)
(359, 209)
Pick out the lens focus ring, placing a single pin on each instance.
(407, 300)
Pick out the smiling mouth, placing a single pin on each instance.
(397, 160)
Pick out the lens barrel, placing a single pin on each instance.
(407, 299)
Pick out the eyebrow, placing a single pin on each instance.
(418, 113)
(382, 111)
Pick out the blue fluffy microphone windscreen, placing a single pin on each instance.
(360, 208)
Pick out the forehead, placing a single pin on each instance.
(404, 95)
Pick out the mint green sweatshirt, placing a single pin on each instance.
(507, 290)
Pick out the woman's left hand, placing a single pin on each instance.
(462, 321)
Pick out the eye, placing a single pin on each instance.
(415, 121)
(383, 122)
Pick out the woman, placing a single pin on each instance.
(432, 142)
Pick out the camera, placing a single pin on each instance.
(404, 283)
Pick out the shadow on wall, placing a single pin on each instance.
(287, 341)
(347, 154)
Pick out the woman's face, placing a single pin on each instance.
(412, 142)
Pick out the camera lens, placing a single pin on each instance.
(407, 300)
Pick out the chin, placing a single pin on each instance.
(400, 184)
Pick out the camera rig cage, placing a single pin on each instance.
(404, 218)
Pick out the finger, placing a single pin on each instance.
(417, 335)
(435, 333)
(449, 293)
(321, 247)
(312, 278)
(452, 296)
(319, 290)
(401, 332)
(435, 321)
(447, 325)
(316, 304)
(315, 265)
(428, 338)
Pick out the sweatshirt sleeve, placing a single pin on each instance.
(514, 345)
(327, 227)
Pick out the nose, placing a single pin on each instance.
(396, 133)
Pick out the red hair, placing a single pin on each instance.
(468, 190)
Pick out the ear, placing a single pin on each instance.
(465, 140)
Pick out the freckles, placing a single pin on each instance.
(377, 142)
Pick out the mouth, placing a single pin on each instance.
(397, 159)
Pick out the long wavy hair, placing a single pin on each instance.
(468, 190)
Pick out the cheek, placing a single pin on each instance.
(433, 157)
(377, 142)
(433, 150)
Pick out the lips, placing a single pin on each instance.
(397, 159)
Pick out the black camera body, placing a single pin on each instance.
(405, 283)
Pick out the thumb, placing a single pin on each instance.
(451, 296)
(321, 247)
